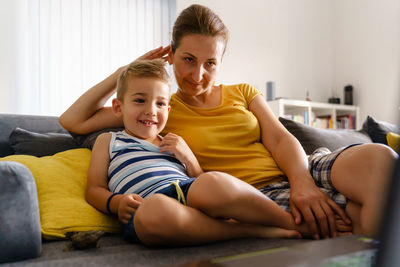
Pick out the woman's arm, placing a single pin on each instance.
(306, 199)
(97, 192)
(88, 113)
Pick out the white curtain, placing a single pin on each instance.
(67, 46)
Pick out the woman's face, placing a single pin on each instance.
(196, 63)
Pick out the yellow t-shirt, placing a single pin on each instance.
(226, 138)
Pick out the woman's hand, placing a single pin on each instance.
(160, 52)
(317, 209)
(127, 205)
(176, 145)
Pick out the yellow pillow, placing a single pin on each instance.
(61, 183)
(393, 141)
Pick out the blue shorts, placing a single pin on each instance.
(320, 165)
(128, 230)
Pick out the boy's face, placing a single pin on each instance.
(145, 107)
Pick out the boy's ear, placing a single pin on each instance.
(169, 108)
(116, 107)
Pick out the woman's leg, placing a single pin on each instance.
(162, 220)
(361, 173)
(220, 195)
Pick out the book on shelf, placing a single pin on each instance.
(323, 122)
(345, 122)
(302, 118)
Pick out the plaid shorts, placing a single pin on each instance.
(320, 164)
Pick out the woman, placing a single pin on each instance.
(231, 129)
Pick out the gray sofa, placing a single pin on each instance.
(21, 242)
(20, 236)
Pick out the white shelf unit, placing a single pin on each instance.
(284, 107)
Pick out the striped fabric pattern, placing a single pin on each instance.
(137, 166)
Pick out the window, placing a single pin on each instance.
(67, 46)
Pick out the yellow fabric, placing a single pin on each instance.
(61, 183)
(394, 141)
(226, 138)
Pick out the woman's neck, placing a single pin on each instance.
(208, 99)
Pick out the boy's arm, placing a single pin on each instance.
(97, 192)
(175, 144)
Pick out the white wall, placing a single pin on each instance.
(367, 54)
(315, 45)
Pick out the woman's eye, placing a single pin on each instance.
(210, 64)
(188, 59)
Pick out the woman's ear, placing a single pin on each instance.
(116, 107)
(169, 57)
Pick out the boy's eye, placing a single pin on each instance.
(161, 104)
(138, 100)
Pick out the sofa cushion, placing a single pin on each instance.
(87, 140)
(61, 183)
(19, 216)
(378, 130)
(312, 138)
(393, 141)
(35, 123)
(40, 144)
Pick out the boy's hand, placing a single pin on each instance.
(127, 205)
(176, 145)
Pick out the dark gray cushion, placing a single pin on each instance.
(19, 213)
(34, 123)
(312, 138)
(40, 144)
(378, 130)
(87, 140)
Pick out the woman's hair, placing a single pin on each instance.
(197, 19)
(141, 69)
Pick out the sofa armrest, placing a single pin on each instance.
(19, 213)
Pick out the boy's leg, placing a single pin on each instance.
(164, 221)
(220, 195)
(361, 174)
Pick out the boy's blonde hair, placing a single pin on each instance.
(141, 69)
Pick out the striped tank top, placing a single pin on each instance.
(138, 167)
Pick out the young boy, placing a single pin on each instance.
(145, 179)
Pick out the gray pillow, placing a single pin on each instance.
(378, 130)
(312, 138)
(87, 140)
(40, 144)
